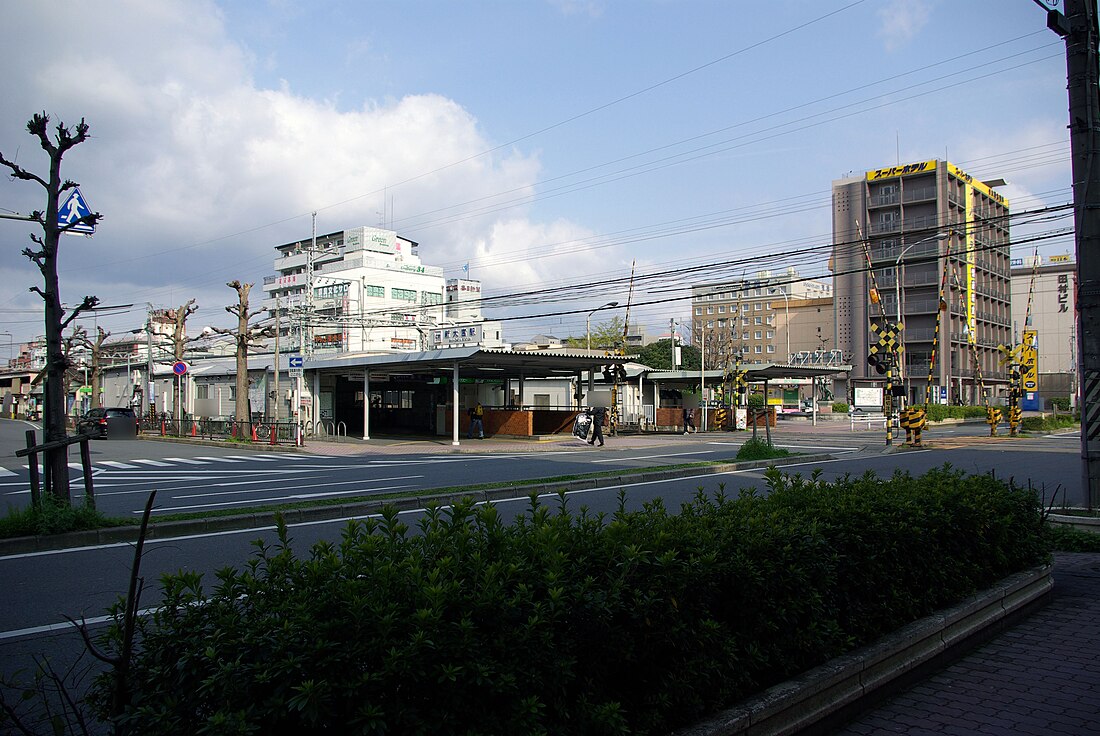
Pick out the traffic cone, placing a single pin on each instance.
(194, 429)
(254, 437)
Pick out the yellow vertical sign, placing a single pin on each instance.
(969, 265)
(1029, 373)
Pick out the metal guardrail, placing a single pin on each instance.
(868, 420)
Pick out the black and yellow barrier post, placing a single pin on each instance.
(993, 418)
(913, 421)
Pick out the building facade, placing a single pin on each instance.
(1050, 288)
(901, 235)
(359, 290)
(765, 319)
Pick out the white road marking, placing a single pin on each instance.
(154, 463)
(257, 458)
(186, 461)
(112, 464)
(4, 472)
(218, 459)
(277, 499)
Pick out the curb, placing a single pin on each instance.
(172, 529)
(823, 698)
(1084, 523)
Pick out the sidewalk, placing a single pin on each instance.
(1040, 677)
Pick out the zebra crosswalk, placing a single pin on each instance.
(16, 470)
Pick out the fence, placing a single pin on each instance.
(271, 433)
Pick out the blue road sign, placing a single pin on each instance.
(295, 361)
(179, 368)
(74, 209)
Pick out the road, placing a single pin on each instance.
(42, 588)
(193, 478)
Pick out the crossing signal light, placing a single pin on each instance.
(880, 361)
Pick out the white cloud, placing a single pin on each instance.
(901, 20)
(187, 150)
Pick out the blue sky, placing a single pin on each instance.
(548, 143)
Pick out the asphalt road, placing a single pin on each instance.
(191, 478)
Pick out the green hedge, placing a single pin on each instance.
(567, 623)
(840, 407)
(939, 412)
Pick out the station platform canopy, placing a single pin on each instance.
(472, 362)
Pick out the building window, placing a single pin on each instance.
(202, 391)
(745, 321)
(710, 324)
(771, 348)
(768, 306)
(758, 320)
(405, 295)
(710, 310)
(771, 334)
(431, 297)
(744, 336)
(379, 291)
(757, 307)
(721, 324)
(721, 310)
(698, 311)
(757, 349)
(756, 335)
(744, 307)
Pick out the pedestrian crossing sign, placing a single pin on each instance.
(73, 211)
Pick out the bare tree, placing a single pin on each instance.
(246, 336)
(45, 257)
(179, 339)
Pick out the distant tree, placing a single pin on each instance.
(658, 355)
(246, 336)
(605, 336)
(55, 461)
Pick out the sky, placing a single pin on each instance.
(552, 145)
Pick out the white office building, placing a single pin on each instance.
(355, 291)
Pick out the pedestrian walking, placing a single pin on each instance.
(598, 414)
(477, 423)
(689, 420)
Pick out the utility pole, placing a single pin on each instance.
(1079, 29)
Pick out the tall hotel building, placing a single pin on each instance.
(915, 221)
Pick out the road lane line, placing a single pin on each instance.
(217, 459)
(154, 463)
(277, 499)
(4, 472)
(256, 458)
(186, 461)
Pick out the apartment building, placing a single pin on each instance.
(764, 319)
(900, 234)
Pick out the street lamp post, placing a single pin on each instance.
(787, 317)
(899, 274)
(588, 321)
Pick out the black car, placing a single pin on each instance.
(109, 422)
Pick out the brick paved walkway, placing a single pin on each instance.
(1040, 677)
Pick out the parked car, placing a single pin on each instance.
(109, 422)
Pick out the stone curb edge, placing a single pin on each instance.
(826, 696)
(172, 529)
